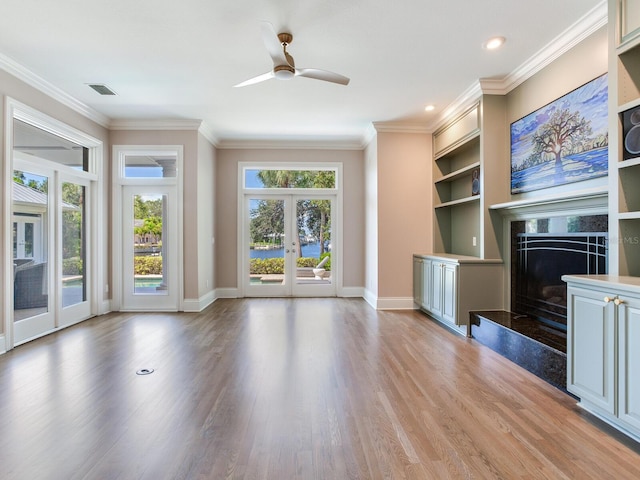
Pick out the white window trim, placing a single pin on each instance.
(242, 224)
(20, 111)
(119, 154)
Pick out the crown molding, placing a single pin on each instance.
(30, 78)
(208, 132)
(459, 105)
(151, 124)
(354, 143)
(592, 21)
(576, 33)
(400, 127)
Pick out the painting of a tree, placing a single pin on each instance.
(565, 141)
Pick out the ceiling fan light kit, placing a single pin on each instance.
(284, 67)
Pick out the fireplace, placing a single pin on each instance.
(545, 249)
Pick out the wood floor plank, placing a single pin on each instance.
(288, 389)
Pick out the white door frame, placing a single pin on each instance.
(96, 264)
(120, 153)
(335, 195)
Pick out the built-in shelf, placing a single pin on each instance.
(462, 172)
(459, 201)
(629, 105)
(629, 216)
(632, 162)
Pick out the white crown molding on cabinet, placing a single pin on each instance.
(27, 76)
(587, 25)
(400, 127)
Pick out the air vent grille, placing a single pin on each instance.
(102, 89)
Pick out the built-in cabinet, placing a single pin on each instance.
(453, 285)
(603, 347)
(624, 136)
(465, 272)
(468, 178)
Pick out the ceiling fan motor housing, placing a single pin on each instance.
(284, 72)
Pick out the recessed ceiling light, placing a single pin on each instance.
(493, 43)
(429, 108)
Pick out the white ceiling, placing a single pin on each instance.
(170, 60)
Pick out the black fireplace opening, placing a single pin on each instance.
(543, 250)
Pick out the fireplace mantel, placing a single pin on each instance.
(582, 202)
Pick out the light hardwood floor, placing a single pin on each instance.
(288, 389)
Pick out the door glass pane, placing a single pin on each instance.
(39, 143)
(74, 289)
(15, 240)
(149, 211)
(267, 178)
(28, 240)
(266, 249)
(313, 260)
(145, 166)
(30, 261)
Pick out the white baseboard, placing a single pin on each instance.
(227, 293)
(370, 298)
(388, 303)
(351, 292)
(104, 307)
(3, 345)
(395, 303)
(197, 305)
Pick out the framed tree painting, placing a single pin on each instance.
(563, 142)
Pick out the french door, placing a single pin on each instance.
(50, 281)
(149, 248)
(288, 245)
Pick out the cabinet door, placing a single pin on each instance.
(449, 292)
(629, 362)
(417, 281)
(591, 347)
(426, 284)
(437, 269)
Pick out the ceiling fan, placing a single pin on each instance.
(283, 65)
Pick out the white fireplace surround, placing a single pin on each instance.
(593, 201)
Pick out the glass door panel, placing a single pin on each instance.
(287, 246)
(32, 313)
(267, 246)
(74, 287)
(313, 256)
(149, 243)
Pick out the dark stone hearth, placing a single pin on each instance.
(534, 346)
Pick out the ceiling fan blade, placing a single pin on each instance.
(322, 75)
(274, 47)
(258, 79)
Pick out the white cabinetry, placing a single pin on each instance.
(422, 282)
(603, 347)
(453, 285)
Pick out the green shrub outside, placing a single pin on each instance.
(269, 266)
(72, 266)
(147, 265)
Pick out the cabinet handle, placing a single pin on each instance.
(617, 301)
(607, 299)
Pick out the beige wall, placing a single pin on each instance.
(206, 217)
(371, 220)
(578, 66)
(189, 140)
(404, 209)
(226, 213)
